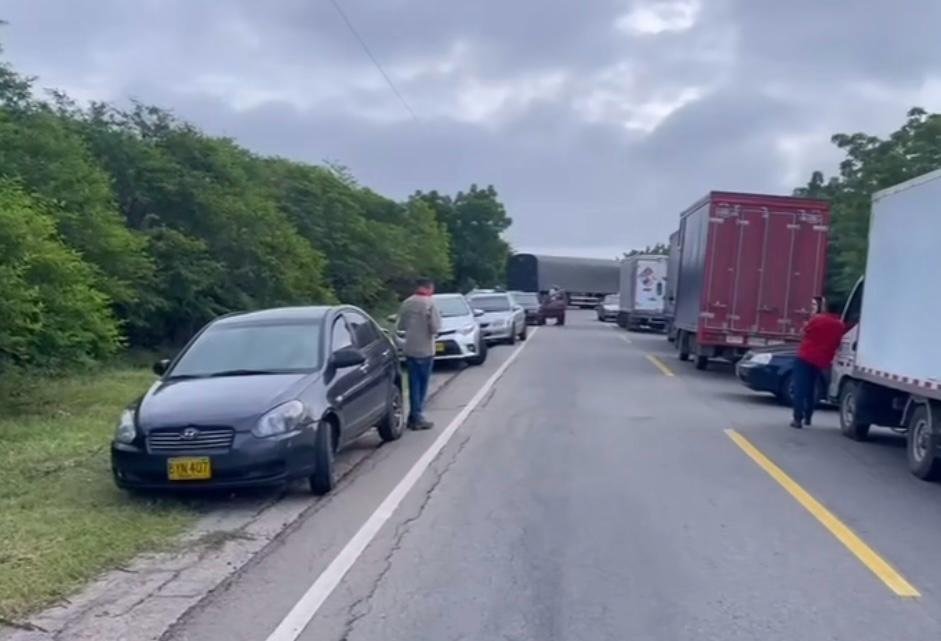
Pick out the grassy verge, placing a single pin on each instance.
(62, 521)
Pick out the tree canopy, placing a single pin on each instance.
(871, 164)
(133, 227)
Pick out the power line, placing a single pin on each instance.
(349, 24)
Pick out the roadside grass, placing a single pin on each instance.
(62, 520)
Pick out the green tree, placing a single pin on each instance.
(871, 164)
(50, 311)
(662, 249)
(475, 221)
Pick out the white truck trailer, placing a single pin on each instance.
(888, 369)
(643, 292)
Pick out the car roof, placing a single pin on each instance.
(277, 315)
(448, 295)
(487, 292)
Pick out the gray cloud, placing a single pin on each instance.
(597, 121)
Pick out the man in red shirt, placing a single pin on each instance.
(822, 337)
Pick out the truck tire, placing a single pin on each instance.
(850, 424)
(682, 344)
(702, 362)
(922, 444)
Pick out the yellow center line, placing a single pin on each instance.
(659, 365)
(866, 555)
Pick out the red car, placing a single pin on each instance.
(553, 306)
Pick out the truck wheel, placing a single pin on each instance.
(850, 424)
(923, 460)
(702, 362)
(682, 342)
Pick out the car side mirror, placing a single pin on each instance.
(347, 357)
(478, 313)
(160, 367)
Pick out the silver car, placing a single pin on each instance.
(460, 337)
(502, 321)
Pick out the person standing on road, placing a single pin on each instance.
(822, 337)
(420, 321)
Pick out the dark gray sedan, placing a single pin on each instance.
(262, 398)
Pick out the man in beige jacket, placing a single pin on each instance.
(420, 321)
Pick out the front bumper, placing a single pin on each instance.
(455, 347)
(761, 378)
(493, 334)
(249, 462)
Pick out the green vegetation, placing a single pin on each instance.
(62, 520)
(871, 164)
(146, 228)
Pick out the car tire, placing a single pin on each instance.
(922, 445)
(524, 334)
(481, 356)
(323, 480)
(785, 393)
(850, 425)
(392, 425)
(512, 338)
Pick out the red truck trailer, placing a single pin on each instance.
(749, 267)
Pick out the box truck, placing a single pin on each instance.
(643, 291)
(669, 298)
(749, 267)
(585, 281)
(888, 369)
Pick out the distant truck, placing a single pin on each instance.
(643, 291)
(888, 368)
(748, 270)
(585, 280)
(669, 297)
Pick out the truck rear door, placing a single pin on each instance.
(766, 263)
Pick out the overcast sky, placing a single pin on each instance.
(596, 120)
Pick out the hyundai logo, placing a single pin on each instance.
(189, 434)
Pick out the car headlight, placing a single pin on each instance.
(126, 431)
(761, 359)
(468, 330)
(282, 419)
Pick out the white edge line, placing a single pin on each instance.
(320, 590)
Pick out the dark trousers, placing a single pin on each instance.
(419, 373)
(805, 376)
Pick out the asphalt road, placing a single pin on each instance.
(595, 493)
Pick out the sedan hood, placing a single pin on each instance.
(236, 401)
(490, 317)
(452, 323)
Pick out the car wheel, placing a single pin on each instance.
(323, 480)
(481, 357)
(393, 423)
(922, 445)
(850, 424)
(511, 340)
(785, 394)
(524, 334)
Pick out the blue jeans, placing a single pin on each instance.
(419, 373)
(805, 390)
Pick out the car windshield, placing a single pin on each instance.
(257, 349)
(499, 303)
(451, 306)
(526, 298)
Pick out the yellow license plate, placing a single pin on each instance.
(189, 468)
(439, 348)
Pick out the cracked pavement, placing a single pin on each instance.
(590, 497)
